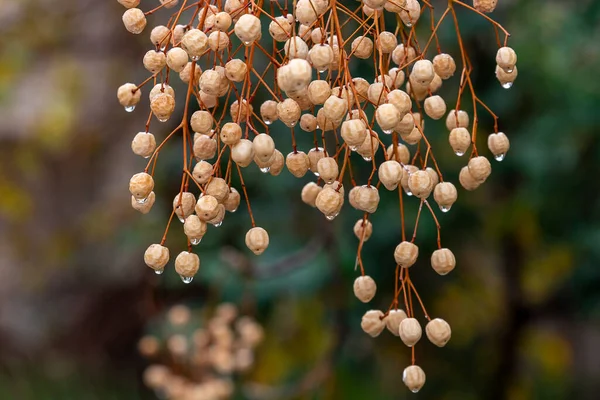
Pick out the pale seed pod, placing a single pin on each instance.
(410, 331)
(417, 91)
(325, 123)
(223, 21)
(438, 332)
(444, 65)
(187, 265)
(457, 119)
(162, 106)
(129, 3)
(231, 133)
(485, 6)
(146, 206)
(140, 186)
(406, 254)
(362, 47)
(443, 261)
(345, 94)
(506, 79)
(376, 93)
(410, 13)
(362, 88)
(385, 79)
(242, 153)
(423, 72)
(236, 70)
(280, 29)
(177, 35)
(387, 42)
(268, 111)
(318, 91)
(387, 116)
(297, 163)
(186, 74)
(335, 108)
(420, 184)
(406, 125)
(218, 188)
(403, 55)
(184, 204)
(289, 112)
(161, 88)
(466, 180)
(321, 56)
(143, 144)
(408, 170)
(295, 47)
(435, 84)
(277, 164)
(154, 61)
(207, 207)
(390, 174)
(240, 113)
(295, 75)
(397, 76)
(364, 288)
(498, 144)
(364, 198)
(308, 123)
(328, 169)
(402, 153)
(460, 140)
(314, 155)
(479, 168)
(218, 41)
(134, 20)
(362, 227)
(156, 257)
(247, 28)
(329, 202)
(413, 377)
(309, 193)
(372, 323)
(177, 59)
(232, 202)
(369, 147)
(218, 219)
(264, 147)
(401, 100)
(375, 4)
(194, 228)
(159, 36)
(195, 43)
(205, 147)
(169, 3)
(208, 100)
(129, 95)
(413, 137)
(445, 195)
(202, 122)
(435, 179)
(393, 321)
(257, 240)
(202, 172)
(235, 8)
(506, 58)
(435, 107)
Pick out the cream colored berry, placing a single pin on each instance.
(435, 84)
(146, 206)
(187, 265)
(230, 133)
(387, 116)
(363, 229)
(186, 74)
(414, 378)
(129, 3)
(406, 125)
(466, 180)
(307, 11)
(420, 184)
(242, 153)
(372, 323)
(154, 61)
(406, 254)
(161, 88)
(257, 240)
(402, 55)
(240, 113)
(369, 147)
(202, 172)
(457, 119)
(318, 91)
(223, 21)
(387, 42)
(156, 257)
(423, 72)
(375, 4)
(268, 111)
(277, 164)
(205, 147)
(498, 144)
(335, 108)
(202, 122)
(264, 147)
(397, 76)
(413, 137)
(460, 140)
(143, 144)
(328, 169)
(321, 56)
(177, 59)
(364, 288)
(401, 100)
(410, 331)
(364, 198)
(376, 93)
(295, 75)
(408, 170)
(184, 204)
(361, 86)
(445, 195)
(236, 70)
(435, 107)
(479, 168)
(309, 193)
(159, 36)
(218, 41)
(362, 47)
(393, 321)
(506, 79)
(506, 58)
(308, 123)
(207, 207)
(140, 185)
(208, 100)
(280, 29)
(218, 219)
(194, 42)
(295, 47)
(232, 202)
(402, 154)
(247, 28)
(325, 123)
(218, 188)
(438, 332)
(390, 174)
(416, 91)
(297, 163)
(443, 261)
(485, 6)
(129, 95)
(410, 13)
(169, 3)
(444, 65)
(289, 112)
(194, 228)
(314, 155)
(162, 106)
(329, 202)
(134, 20)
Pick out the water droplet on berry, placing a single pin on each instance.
(292, 124)
(459, 153)
(500, 157)
(444, 208)
(507, 85)
(186, 279)
(129, 108)
(316, 173)
(218, 224)
(387, 131)
(195, 241)
(181, 219)
(247, 43)
(510, 70)
(353, 148)
(415, 390)
(195, 58)
(268, 122)
(322, 70)
(330, 217)
(163, 119)
(159, 271)
(367, 158)
(408, 192)
(408, 24)
(141, 201)
(265, 170)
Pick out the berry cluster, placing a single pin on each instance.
(193, 362)
(305, 81)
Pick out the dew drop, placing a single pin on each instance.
(316, 173)
(445, 209)
(408, 192)
(268, 122)
(195, 58)
(408, 24)
(353, 148)
(265, 170)
(330, 217)
(500, 157)
(163, 119)
(507, 85)
(141, 201)
(186, 279)
(415, 390)
(322, 70)
(387, 131)
(247, 43)
(234, 210)
(367, 158)
(459, 153)
(195, 241)
(148, 156)
(510, 70)
(181, 219)
(292, 124)
(129, 108)
(159, 271)
(218, 224)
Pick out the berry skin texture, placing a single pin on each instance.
(194, 43)
(309, 193)
(414, 378)
(134, 20)
(257, 240)
(140, 185)
(410, 331)
(445, 195)
(297, 163)
(264, 147)
(242, 153)
(390, 174)
(144, 207)
(460, 140)
(129, 3)
(162, 106)
(480, 168)
(143, 144)
(154, 61)
(435, 107)
(207, 208)
(129, 95)
(184, 204)
(204, 148)
(232, 202)
(485, 6)
(364, 288)
(328, 169)
(406, 254)
(420, 184)
(444, 65)
(372, 323)
(466, 179)
(194, 227)
(247, 28)
(187, 264)
(499, 145)
(361, 226)
(156, 257)
(364, 198)
(457, 119)
(506, 58)
(329, 202)
(393, 321)
(438, 332)
(443, 261)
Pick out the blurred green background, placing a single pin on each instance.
(75, 296)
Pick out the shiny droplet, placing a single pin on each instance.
(218, 224)
(129, 108)
(322, 70)
(459, 153)
(444, 208)
(195, 241)
(507, 85)
(367, 158)
(408, 24)
(510, 70)
(331, 217)
(159, 271)
(265, 170)
(316, 173)
(181, 219)
(186, 279)
(195, 58)
(387, 131)
(415, 390)
(500, 157)
(247, 43)
(163, 119)
(408, 192)
(353, 148)
(234, 210)
(268, 122)
(141, 201)
(292, 124)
